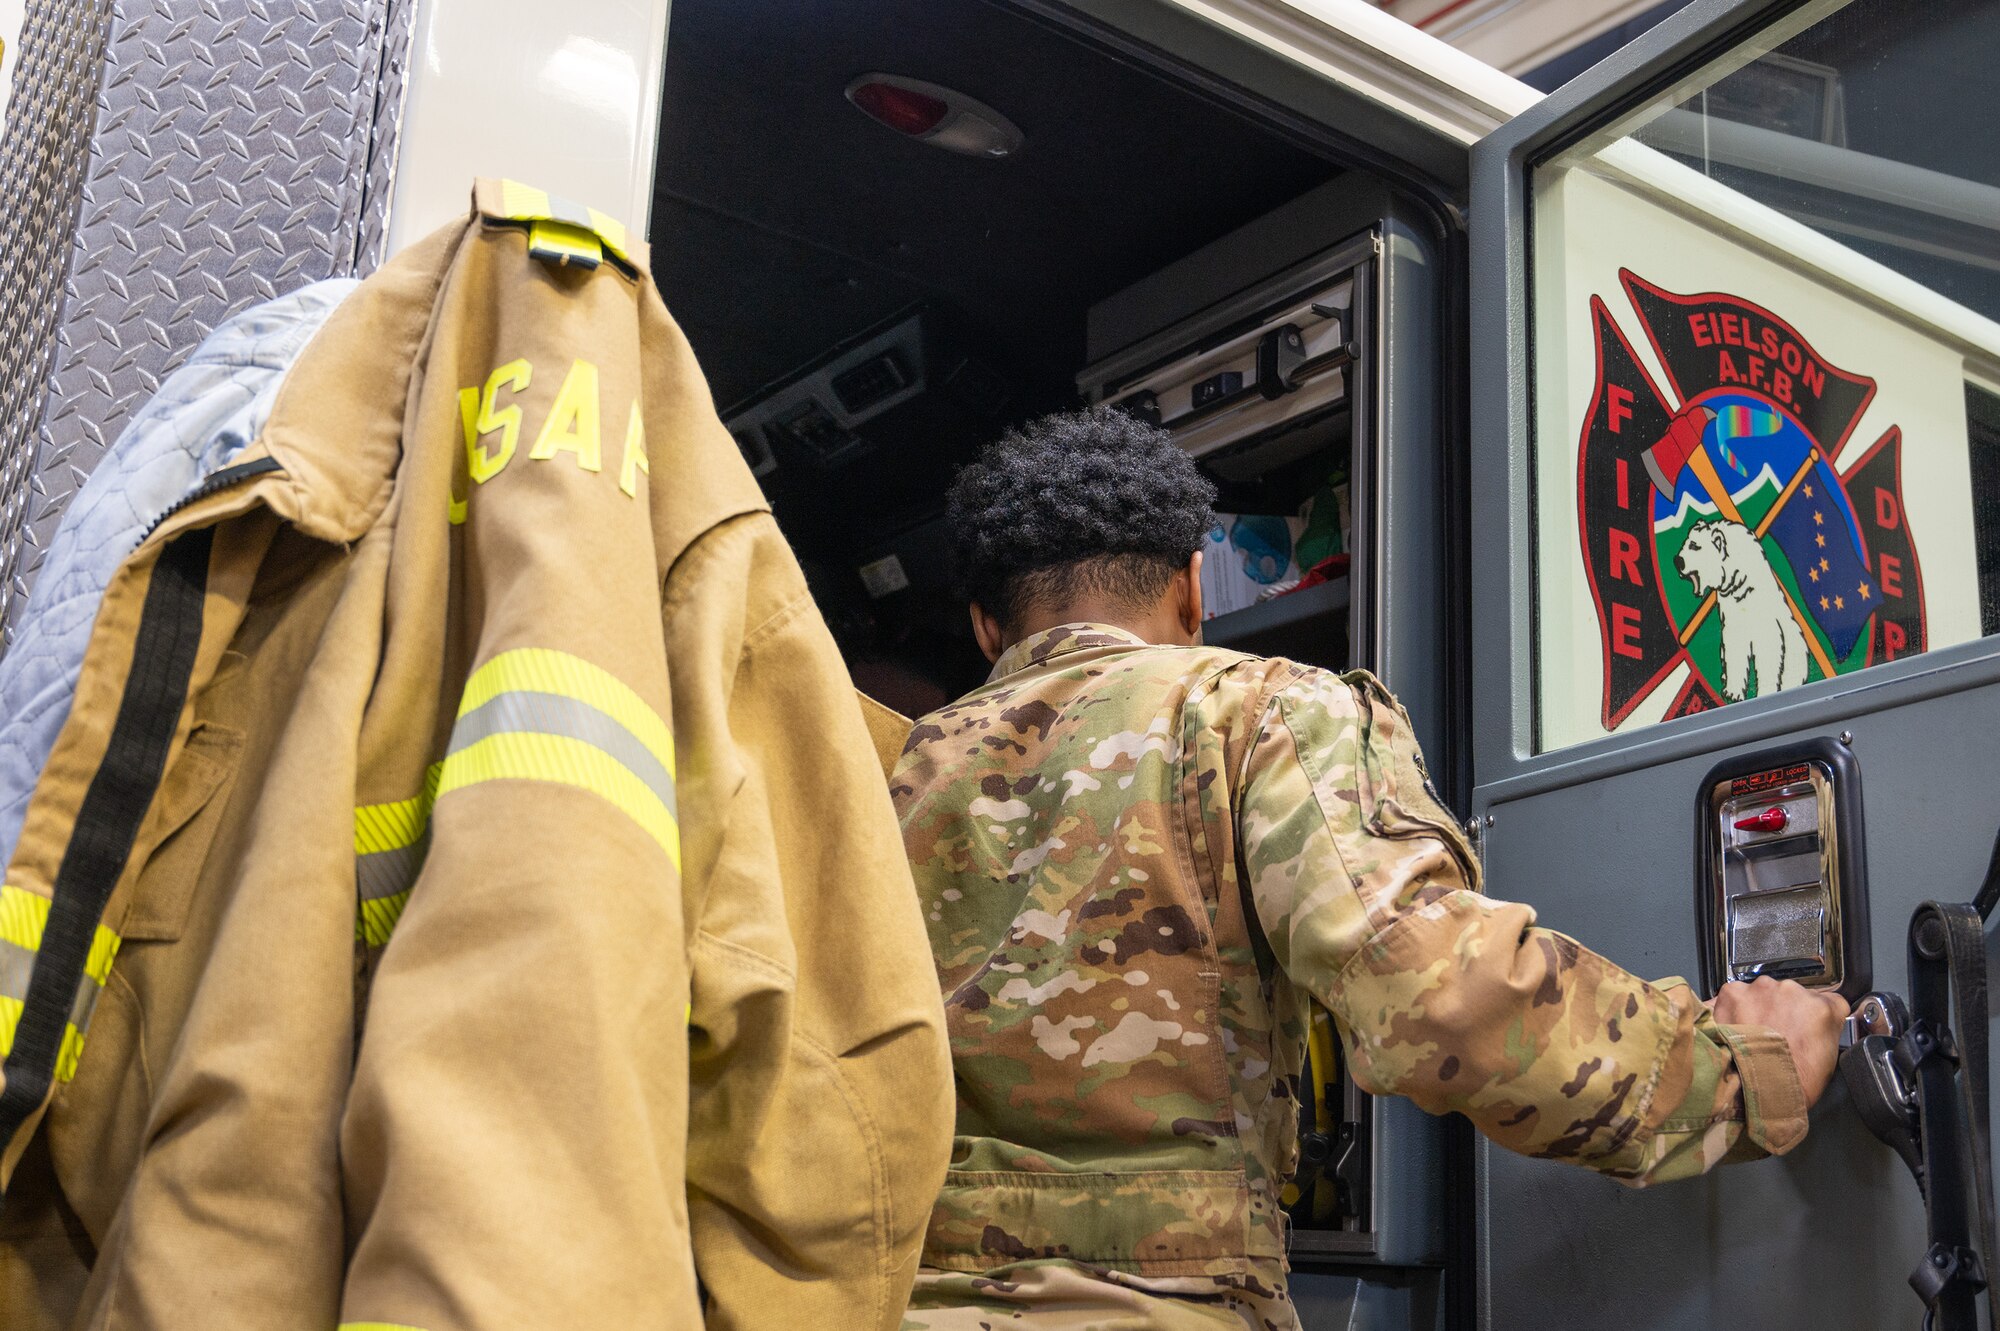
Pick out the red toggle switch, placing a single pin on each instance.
(1772, 819)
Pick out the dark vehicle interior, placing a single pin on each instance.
(793, 234)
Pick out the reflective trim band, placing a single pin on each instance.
(562, 244)
(532, 714)
(24, 916)
(542, 670)
(378, 917)
(554, 714)
(610, 229)
(398, 823)
(390, 841)
(72, 1038)
(559, 229)
(568, 762)
(387, 872)
(70, 1054)
(523, 201)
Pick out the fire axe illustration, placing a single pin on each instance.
(1681, 447)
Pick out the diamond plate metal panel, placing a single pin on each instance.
(231, 160)
(49, 121)
(390, 87)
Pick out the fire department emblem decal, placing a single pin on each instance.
(1717, 527)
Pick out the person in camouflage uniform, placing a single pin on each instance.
(1141, 859)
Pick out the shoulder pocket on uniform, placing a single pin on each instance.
(1404, 804)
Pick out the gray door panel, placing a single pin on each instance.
(1597, 832)
(1824, 1237)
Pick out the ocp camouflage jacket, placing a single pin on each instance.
(1100, 833)
(463, 895)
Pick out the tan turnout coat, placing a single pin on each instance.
(464, 894)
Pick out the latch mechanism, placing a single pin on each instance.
(1780, 883)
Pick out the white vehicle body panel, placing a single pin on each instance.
(566, 97)
(1356, 45)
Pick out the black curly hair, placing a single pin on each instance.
(1086, 502)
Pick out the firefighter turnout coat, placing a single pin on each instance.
(464, 893)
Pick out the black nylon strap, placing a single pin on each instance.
(107, 823)
(1946, 1051)
(1989, 891)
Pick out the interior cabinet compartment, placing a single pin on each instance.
(1258, 387)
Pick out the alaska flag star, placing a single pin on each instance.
(1811, 543)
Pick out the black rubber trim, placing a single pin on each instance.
(106, 825)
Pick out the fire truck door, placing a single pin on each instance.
(1736, 551)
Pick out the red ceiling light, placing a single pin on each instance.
(939, 116)
(904, 110)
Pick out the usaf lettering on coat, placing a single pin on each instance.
(493, 428)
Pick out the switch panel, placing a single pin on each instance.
(1780, 878)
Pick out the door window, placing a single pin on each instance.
(1766, 367)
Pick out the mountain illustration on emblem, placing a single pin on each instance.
(1717, 527)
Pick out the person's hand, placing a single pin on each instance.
(1809, 1019)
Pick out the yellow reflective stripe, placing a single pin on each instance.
(24, 918)
(68, 1056)
(590, 232)
(396, 823)
(103, 948)
(565, 243)
(72, 1042)
(382, 829)
(379, 916)
(24, 915)
(390, 826)
(544, 670)
(610, 228)
(523, 756)
(523, 202)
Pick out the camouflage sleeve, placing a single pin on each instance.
(1370, 897)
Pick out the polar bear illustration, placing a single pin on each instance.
(1757, 626)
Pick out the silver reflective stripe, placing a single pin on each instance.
(17, 968)
(384, 873)
(555, 714)
(16, 965)
(85, 1004)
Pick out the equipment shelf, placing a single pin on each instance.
(1280, 615)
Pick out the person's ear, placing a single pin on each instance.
(1191, 607)
(987, 630)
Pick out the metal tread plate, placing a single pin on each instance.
(240, 149)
